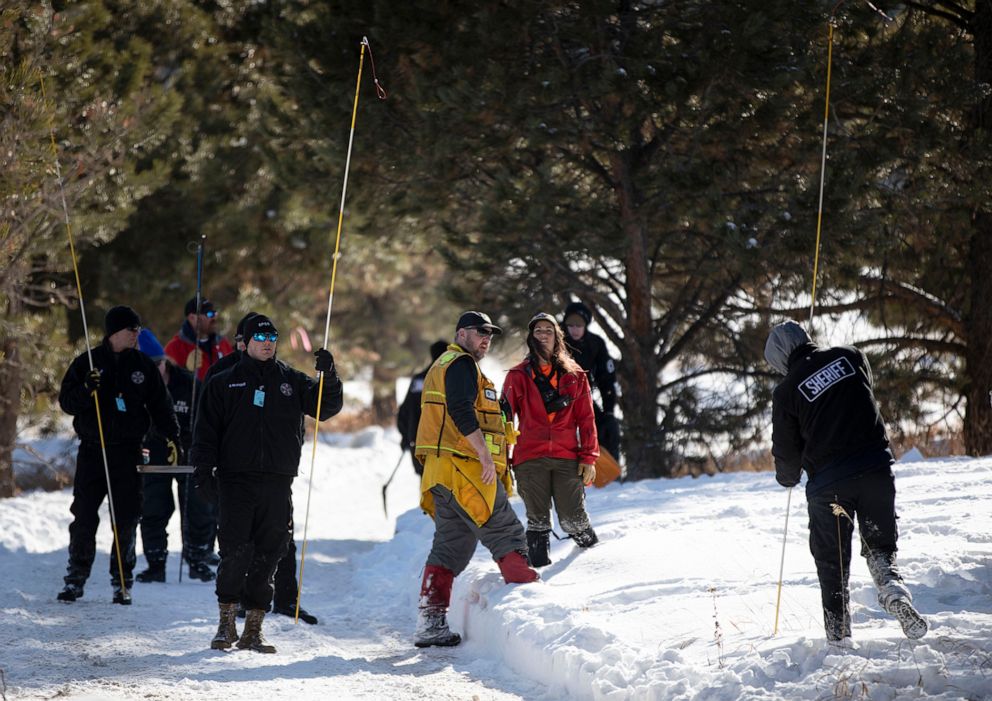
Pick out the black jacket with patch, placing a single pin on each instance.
(825, 418)
(132, 395)
(591, 353)
(251, 416)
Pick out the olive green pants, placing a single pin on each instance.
(542, 481)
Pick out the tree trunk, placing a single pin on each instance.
(978, 357)
(978, 324)
(383, 395)
(643, 443)
(11, 378)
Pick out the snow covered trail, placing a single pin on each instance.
(158, 648)
(677, 602)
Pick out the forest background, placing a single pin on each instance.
(658, 160)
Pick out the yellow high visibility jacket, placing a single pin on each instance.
(449, 459)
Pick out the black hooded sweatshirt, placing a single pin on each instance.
(825, 418)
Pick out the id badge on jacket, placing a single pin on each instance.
(259, 398)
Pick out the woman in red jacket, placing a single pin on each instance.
(556, 451)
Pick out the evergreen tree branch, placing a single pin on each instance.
(961, 19)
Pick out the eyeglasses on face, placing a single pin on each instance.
(135, 329)
(482, 330)
(262, 337)
(210, 314)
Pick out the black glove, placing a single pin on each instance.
(325, 361)
(92, 380)
(206, 482)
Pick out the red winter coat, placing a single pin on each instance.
(569, 434)
(180, 349)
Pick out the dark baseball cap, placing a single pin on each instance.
(472, 320)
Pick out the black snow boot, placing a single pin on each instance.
(122, 596)
(251, 636)
(70, 593)
(586, 538)
(290, 611)
(200, 570)
(432, 629)
(154, 573)
(539, 548)
(227, 630)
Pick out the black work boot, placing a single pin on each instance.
(539, 548)
(70, 593)
(122, 596)
(227, 630)
(154, 573)
(586, 538)
(251, 636)
(432, 629)
(200, 570)
(290, 610)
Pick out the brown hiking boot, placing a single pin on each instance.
(227, 631)
(251, 636)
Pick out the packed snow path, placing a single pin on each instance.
(676, 603)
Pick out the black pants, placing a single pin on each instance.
(869, 497)
(89, 488)
(286, 585)
(256, 523)
(158, 506)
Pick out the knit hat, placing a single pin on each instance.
(469, 320)
(120, 318)
(579, 310)
(239, 332)
(205, 306)
(782, 341)
(257, 323)
(150, 346)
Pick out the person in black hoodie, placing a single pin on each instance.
(246, 445)
(408, 416)
(131, 397)
(590, 351)
(825, 421)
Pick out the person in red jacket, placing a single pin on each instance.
(556, 450)
(202, 326)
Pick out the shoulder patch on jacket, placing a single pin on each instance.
(813, 387)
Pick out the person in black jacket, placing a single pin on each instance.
(408, 416)
(825, 421)
(158, 505)
(248, 436)
(589, 350)
(286, 585)
(131, 396)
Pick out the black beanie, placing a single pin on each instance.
(239, 333)
(120, 318)
(257, 323)
(578, 308)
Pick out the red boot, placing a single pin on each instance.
(515, 569)
(435, 594)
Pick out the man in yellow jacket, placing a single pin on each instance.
(462, 442)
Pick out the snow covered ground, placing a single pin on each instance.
(677, 602)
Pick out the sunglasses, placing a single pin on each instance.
(135, 329)
(210, 314)
(482, 330)
(262, 337)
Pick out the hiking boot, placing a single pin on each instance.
(586, 538)
(70, 593)
(251, 636)
(291, 612)
(914, 626)
(432, 629)
(227, 630)
(122, 596)
(199, 570)
(212, 558)
(154, 573)
(539, 548)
